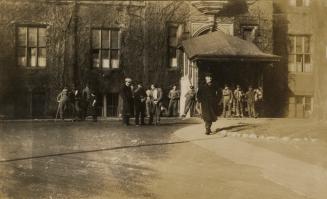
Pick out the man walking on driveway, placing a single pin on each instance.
(127, 101)
(207, 97)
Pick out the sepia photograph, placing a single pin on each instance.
(159, 99)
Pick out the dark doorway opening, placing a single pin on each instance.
(38, 104)
(232, 74)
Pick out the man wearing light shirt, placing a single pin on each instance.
(157, 98)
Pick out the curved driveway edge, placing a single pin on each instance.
(303, 178)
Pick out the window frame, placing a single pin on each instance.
(300, 3)
(171, 48)
(109, 49)
(26, 47)
(253, 27)
(294, 54)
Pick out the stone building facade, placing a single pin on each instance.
(300, 39)
(50, 44)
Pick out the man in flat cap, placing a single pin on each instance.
(208, 99)
(127, 100)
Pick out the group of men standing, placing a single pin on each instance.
(235, 102)
(81, 102)
(140, 103)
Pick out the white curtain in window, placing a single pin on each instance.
(173, 62)
(307, 68)
(42, 57)
(33, 57)
(292, 2)
(105, 63)
(306, 2)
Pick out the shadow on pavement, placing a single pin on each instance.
(235, 128)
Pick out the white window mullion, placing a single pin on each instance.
(119, 47)
(37, 48)
(109, 51)
(100, 51)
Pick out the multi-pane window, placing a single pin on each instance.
(31, 47)
(300, 106)
(299, 3)
(105, 48)
(299, 53)
(172, 45)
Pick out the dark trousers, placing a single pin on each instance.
(156, 113)
(126, 119)
(139, 113)
(85, 108)
(172, 107)
(189, 105)
(208, 126)
(93, 111)
(78, 113)
(94, 118)
(259, 108)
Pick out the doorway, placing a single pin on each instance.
(232, 74)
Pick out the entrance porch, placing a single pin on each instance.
(229, 59)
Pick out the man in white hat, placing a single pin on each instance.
(62, 99)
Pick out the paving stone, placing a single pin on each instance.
(271, 138)
(253, 136)
(223, 133)
(262, 137)
(286, 139)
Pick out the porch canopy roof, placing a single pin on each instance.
(219, 46)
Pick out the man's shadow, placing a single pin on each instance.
(234, 128)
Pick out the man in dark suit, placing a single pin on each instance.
(207, 97)
(157, 95)
(93, 109)
(139, 104)
(173, 96)
(78, 105)
(86, 101)
(250, 98)
(127, 100)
